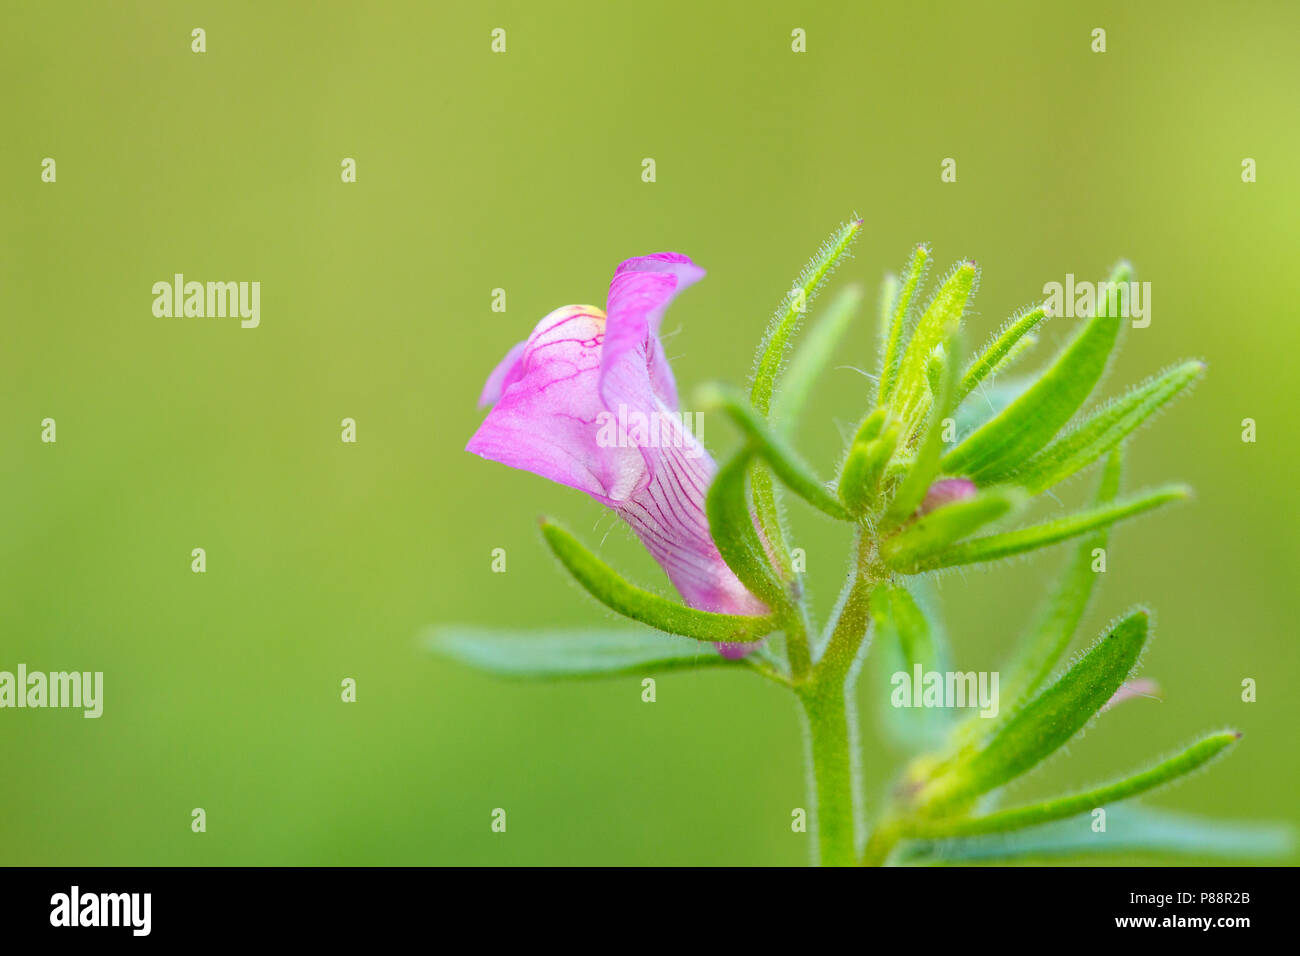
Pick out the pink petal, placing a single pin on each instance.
(546, 419)
(1141, 687)
(503, 376)
(945, 491)
(633, 367)
(668, 516)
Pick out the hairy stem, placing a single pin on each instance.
(827, 700)
(831, 759)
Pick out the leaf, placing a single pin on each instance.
(785, 461)
(731, 525)
(1055, 628)
(889, 290)
(982, 405)
(1040, 727)
(925, 467)
(853, 471)
(939, 323)
(1000, 350)
(767, 511)
(771, 352)
(1166, 771)
(1129, 829)
(865, 464)
(891, 342)
(908, 638)
(996, 546)
(812, 357)
(604, 584)
(572, 653)
(933, 532)
(1105, 429)
(1027, 424)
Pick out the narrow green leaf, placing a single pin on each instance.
(1055, 626)
(812, 357)
(891, 342)
(868, 431)
(767, 510)
(1040, 727)
(772, 350)
(605, 584)
(731, 524)
(865, 466)
(941, 528)
(1106, 428)
(940, 322)
(1000, 350)
(1017, 352)
(785, 461)
(889, 290)
(982, 405)
(996, 546)
(1027, 424)
(871, 427)
(924, 468)
(572, 653)
(895, 611)
(1053, 629)
(1130, 828)
(907, 636)
(1060, 808)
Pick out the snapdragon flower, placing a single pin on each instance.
(554, 394)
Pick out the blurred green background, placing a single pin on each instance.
(522, 171)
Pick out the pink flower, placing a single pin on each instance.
(558, 399)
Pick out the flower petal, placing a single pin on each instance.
(546, 418)
(668, 516)
(633, 366)
(503, 376)
(945, 491)
(1140, 687)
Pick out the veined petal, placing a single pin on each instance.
(668, 514)
(669, 517)
(548, 416)
(633, 366)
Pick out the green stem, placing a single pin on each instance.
(884, 837)
(832, 774)
(797, 650)
(832, 729)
